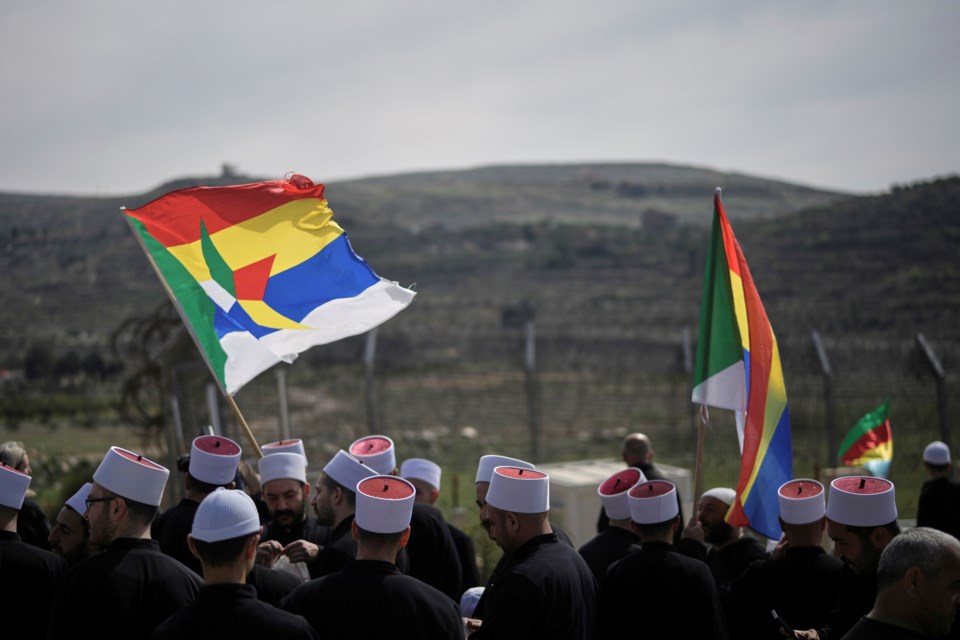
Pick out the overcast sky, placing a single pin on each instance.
(118, 97)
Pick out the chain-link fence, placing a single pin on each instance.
(455, 393)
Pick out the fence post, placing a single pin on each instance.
(533, 399)
(281, 374)
(827, 372)
(939, 375)
(213, 408)
(369, 351)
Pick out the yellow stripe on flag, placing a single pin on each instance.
(277, 232)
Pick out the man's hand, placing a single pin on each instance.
(268, 552)
(301, 551)
(693, 531)
(808, 634)
(470, 625)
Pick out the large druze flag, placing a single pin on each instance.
(738, 368)
(260, 272)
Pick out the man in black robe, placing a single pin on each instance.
(730, 552)
(799, 581)
(637, 452)
(212, 464)
(425, 476)
(654, 591)
(27, 573)
(334, 503)
(861, 521)
(224, 536)
(132, 586)
(32, 523)
(70, 536)
(619, 538)
(291, 533)
(369, 597)
(543, 588)
(939, 503)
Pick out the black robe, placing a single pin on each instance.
(128, 590)
(656, 593)
(372, 599)
(801, 584)
(726, 564)
(232, 612)
(272, 585)
(170, 530)
(28, 576)
(855, 596)
(431, 553)
(939, 505)
(33, 524)
(307, 529)
(467, 552)
(867, 629)
(607, 547)
(340, 549)
(542, 590)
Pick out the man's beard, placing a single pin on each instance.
(325, 514)
(719, 532)
(296, 517)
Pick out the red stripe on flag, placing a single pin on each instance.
(175, 218)
(761, 358)
(870, 440)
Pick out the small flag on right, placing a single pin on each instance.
(869, 443)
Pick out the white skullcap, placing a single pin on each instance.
(613, 492)
(131, 476)
(384, 504)
(347, 471)
(937, 453)
(78, 501)
(802, 501)
(653, 502)
(491, 462)
(377, 452)
(420, 469)
(284, 446)
(214, 459)
(283, 466)
(225, 514)
(723, 494)
(862, 501)
(13, 486)
(519, 490)
(469, 600)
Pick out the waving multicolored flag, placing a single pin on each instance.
(869, 444)
(260, 272)
(738, 368)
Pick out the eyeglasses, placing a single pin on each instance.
(90, 501)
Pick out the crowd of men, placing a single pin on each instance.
(363, 552)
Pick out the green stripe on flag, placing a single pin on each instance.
(220, 271)
(196, 308)
(718, 344)
(864, 425)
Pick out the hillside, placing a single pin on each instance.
(605, 248)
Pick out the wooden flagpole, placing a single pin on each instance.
(698, 471)
(243, 423)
